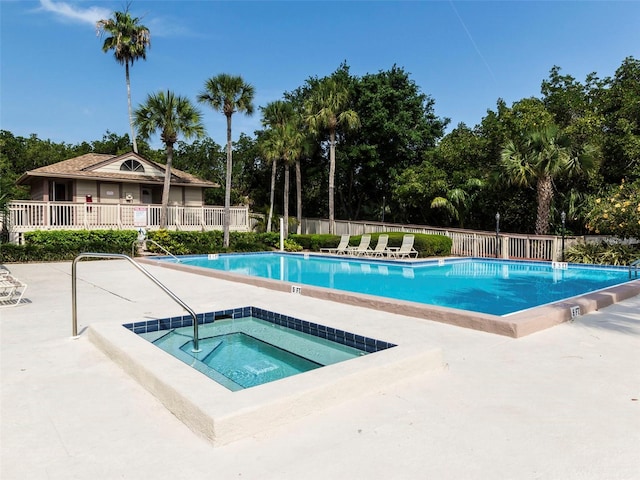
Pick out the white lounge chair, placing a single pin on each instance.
(340, 249)
(380, 249)
(363, 248)
(11, 290)
(406, 249)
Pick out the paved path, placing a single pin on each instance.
(562, 404)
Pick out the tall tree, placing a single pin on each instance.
(275, 115)
(457, 201)
(172, 115)
(398, 126)
(129, 41)
(544, 155)
(327, 108)
(621, 108)
(269, 144)
(228, 94)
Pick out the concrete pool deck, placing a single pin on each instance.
(563, 403)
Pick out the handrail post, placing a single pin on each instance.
(74, 308)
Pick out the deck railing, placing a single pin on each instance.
(25, 216)
(465, 243)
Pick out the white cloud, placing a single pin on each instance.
(71, 12)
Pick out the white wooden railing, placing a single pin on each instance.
(466, 243)
(25, 216)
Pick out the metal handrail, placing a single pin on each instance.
(74, 309)
(157, 245)
(635, 265)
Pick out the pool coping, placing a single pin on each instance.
(222, 416)
(515, 325)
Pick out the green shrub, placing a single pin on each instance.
(616, 211)
(315, 242)
(291, 246)
(194, 243)
(603, 253)
(60, 245)
(426, 245)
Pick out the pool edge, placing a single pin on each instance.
(222, 416)
(517, 325)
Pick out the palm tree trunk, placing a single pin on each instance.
(165, 189)
(133, 132)
(286, 199)
(545, 196)
(272, 195)
(332, 174)
(227, 191)
(298, 197)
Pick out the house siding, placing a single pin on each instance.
(176, 196)
(84, 188)
(193, 197)
(109, 193)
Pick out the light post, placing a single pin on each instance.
(563, 217)
(497, 232)
(383, 207)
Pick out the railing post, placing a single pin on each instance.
(74, 296)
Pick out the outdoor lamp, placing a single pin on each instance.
(497, 231)
(563, 217)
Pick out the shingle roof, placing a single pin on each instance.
(83, 167)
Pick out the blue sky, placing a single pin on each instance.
(56, 82)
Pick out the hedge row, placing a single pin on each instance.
(194, 243)
(60, 245)
(426, 245)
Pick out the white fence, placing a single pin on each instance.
(25, 216)
(464, 242)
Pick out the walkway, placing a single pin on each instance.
(563, 403)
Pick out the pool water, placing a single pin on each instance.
(245, 351)
(497, 287)
(249, 361)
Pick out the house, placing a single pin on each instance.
(97, 191)
(124, 179)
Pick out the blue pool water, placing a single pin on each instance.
(496, 287)
(248, 361)
(246, 347)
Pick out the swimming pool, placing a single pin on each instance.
(495, 287)
(523, 297)
(249, 346)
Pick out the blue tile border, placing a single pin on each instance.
(365, 344)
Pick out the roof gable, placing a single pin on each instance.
(97, 166)
(115, 165)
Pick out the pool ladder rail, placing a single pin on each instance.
(635, 265)
(142, 242)
(74, 296)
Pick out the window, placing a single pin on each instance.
(131, 166)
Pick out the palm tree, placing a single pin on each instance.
(129, 41)
(283, 143)
(327, 109)
(306, 147)
(542, 156)
(228, 94)
(274, 115)
(271, 150)
(172, 115)
(292, 138)
(456, 201)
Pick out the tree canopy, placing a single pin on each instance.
(400, 161)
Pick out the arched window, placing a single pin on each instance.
(131, 166)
